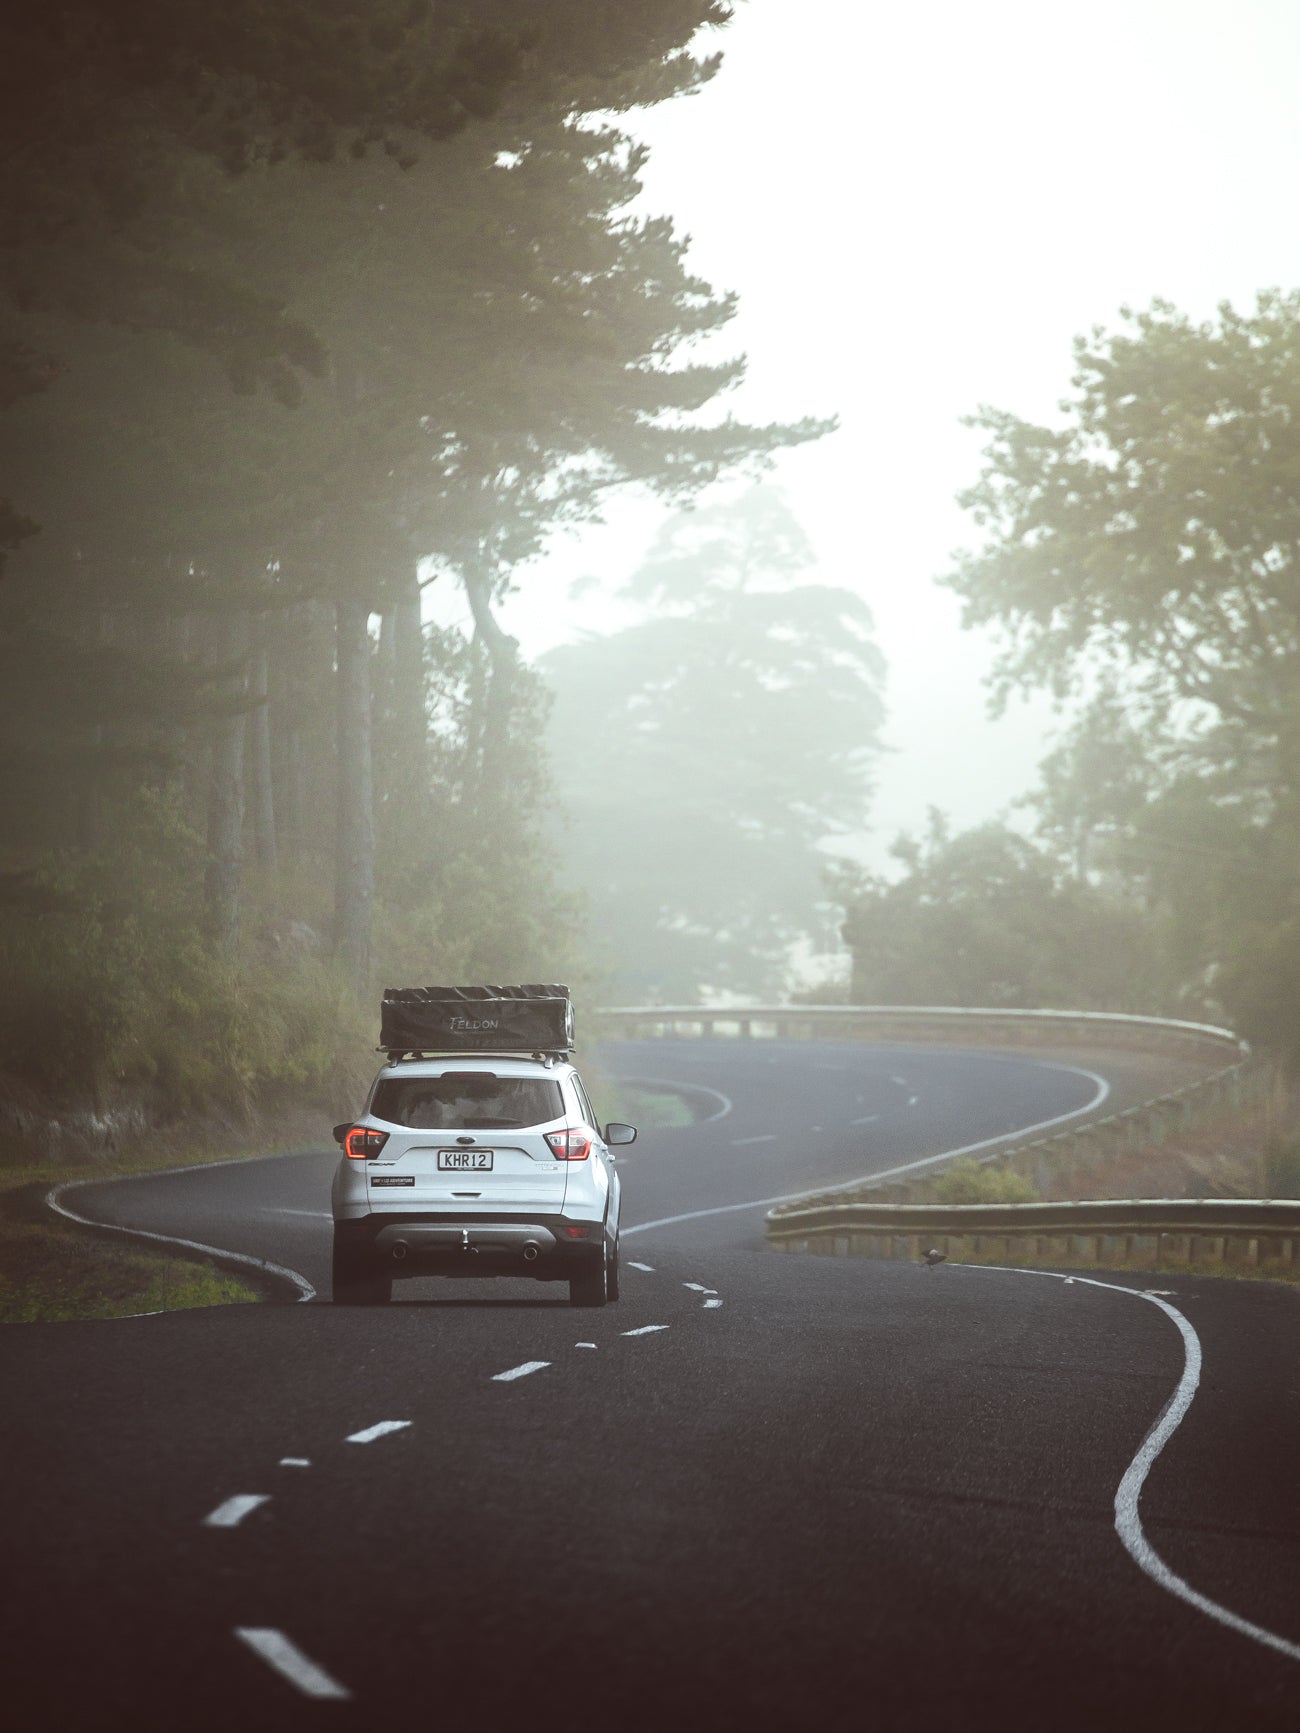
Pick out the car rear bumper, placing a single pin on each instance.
(547, 1248)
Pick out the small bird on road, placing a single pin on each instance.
(933, 1257)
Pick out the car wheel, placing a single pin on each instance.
(611, 1271)
(591, 1288)
(357, 1281)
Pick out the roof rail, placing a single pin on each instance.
(398, 1055)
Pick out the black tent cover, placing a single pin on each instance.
(528, 1019)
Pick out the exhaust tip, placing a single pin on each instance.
(400, 1250)
(530, 1251)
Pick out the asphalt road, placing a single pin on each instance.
(760, 1492)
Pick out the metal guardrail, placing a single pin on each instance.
(1208, 1231)
(909, 1022)
(1155, 1230)
(1045, 1161)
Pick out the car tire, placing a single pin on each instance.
(611, 1271)
(359, 1281)
(591, 1288)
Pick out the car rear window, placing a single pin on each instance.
(467, 1101)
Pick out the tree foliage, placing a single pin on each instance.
(708, 751)
(1156, 533)
(1159, 527)
(986, 918)
(336, 295)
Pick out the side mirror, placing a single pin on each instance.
(341, 1131)
(616, 1133)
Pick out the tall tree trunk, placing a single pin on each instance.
(407, 840)
(226, 792)
(409, 709)
(355, 850)
(492, 725)
(96, 634)
(261, 796)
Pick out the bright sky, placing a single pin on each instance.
(920, 205)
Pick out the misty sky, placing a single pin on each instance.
(919, 207)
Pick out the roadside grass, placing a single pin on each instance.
(647, 1108)
(56, 1274)
(52, 1271)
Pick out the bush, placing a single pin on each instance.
(1282, 1170)
(111, 986)
(967, 1181)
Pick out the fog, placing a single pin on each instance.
(404, 576)
(920, 207)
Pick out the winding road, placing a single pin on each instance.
(760, 1492)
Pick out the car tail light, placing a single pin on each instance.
(361, 1142)
(574, 1145)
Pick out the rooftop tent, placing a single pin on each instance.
(528, 1019)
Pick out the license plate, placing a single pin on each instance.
(464, 1160)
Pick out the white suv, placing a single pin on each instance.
(477, 1165)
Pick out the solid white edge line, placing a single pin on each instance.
(53, 1201)
(1103, 1090)
(289, 1661)
(1128, 1523)
(380, 1429)
(520, 1371)
(234, 1510)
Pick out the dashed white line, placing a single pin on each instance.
(867, 1119)
(290, 1662)
(648, 1268)
(647, 1329)
(295, 1462)
(767, 1137)
(584, 1344)
(519, 1371)
(697, 1287)
(378, 1430)
(234, 1510)
(711, 1305)
(912, 1100)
